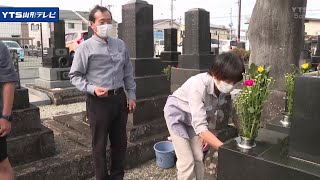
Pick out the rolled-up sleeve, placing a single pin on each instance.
(7, 71)
(198, 113)
(129, 82)
(79, 69)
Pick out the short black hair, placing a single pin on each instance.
(97, 8)
(227, 67)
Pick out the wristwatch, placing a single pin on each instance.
(6, 117)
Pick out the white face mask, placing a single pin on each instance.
(225, 87)
(103, 31)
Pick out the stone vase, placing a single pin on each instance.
(286, 119)
(246, 143)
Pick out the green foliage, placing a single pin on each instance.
(249, 102)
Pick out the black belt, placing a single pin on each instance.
(115, 91)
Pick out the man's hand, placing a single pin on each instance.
(131, 105)
(5, 127)
(100, 91)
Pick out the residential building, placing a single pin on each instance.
(222, 31)
(312, 26)
(161, 24)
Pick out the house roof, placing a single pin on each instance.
(68, 15)
(85, 15)
(218, 26)
(158, 21)
(312, 19)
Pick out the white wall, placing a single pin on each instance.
(312, 27)
(10, 28)
(37, 34)
(77, 26)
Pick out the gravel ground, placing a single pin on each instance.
(150, 171)
(147, 171)
(49, 111)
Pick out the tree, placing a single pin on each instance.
(276, 35)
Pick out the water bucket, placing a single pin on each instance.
(164, 154)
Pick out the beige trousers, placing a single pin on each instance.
(189, 157)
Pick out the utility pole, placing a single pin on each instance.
(239, 21)
(231, 24)
(171, 13)
(100, 2)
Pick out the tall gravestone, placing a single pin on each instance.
(197, 58)
(279, 155)
(29, 140)
(170, 54)
(54, 73)
(146, 125)
(316, 58)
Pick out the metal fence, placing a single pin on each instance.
(26, 39)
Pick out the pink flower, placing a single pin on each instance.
(249, 82)
(177, 66)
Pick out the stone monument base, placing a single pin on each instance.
(53, 84)
(268, 160)
(181, 75)
(196, 61)
(62, 95)
(170, 55)
(31, 146)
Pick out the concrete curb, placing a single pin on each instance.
(45, 100)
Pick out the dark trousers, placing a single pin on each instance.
(108, 116)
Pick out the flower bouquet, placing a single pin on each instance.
(289, 79)
(249, 103)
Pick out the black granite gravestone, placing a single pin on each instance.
(305, 128)
(58, 54)
(315, 60)
(196, 43)
(317, 53)
(170, 39)
(137, 28)
(170, 54)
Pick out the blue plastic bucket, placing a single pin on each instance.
(164, 154)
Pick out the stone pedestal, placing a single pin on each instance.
(56, 66)
(276, 125)
(28, 140)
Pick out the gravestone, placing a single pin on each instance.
(315, 60)
(197, 58)
(28, 140)
(278, 155)
(170, 54)
(304, 132)
(54, 74)
(146, 125)
(196, 48)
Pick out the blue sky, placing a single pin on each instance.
(219, 10)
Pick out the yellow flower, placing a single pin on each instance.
(260, 69)
(305, 66)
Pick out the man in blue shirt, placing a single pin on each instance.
(8, 77)
(102, 68)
